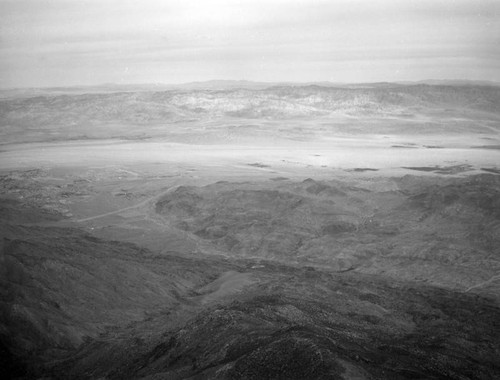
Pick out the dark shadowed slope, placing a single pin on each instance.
(62, 287)
(302, 323)
(323, 280)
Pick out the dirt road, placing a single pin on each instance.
(138, 205)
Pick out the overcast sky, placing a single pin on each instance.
(73, 42)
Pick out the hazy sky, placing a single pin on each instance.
(66, 42)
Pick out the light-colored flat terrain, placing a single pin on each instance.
(376, 152)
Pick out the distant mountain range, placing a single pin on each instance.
(159, 103)
(225, 84)
(131, 111)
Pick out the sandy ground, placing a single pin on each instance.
(348, 153)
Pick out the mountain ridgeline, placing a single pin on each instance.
(275, 102)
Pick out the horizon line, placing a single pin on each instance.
(256, 82)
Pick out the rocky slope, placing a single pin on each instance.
(442, 231)
(302, 323)
(61, 287)
(374, 279)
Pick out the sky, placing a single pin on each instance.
(46, 43)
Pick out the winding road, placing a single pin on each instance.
(140, 204)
